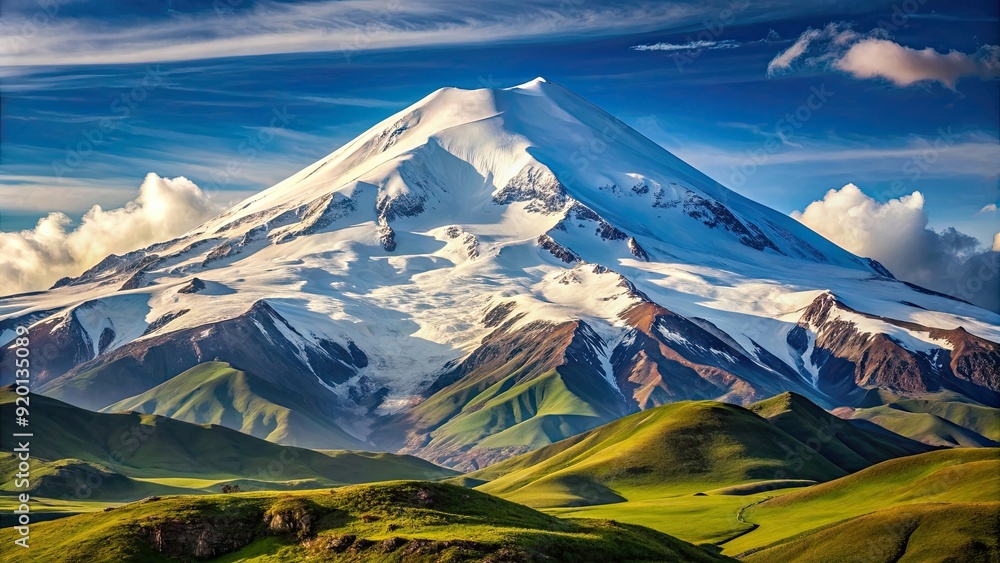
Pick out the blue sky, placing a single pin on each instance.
(98, 94)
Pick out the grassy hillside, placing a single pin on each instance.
(73, 479)
(947, 476)
(402, 521)
(680, 448)
(937, 419)
(841, 442)
(152, 449)
(216, 393)
(518, 391)
(916, 532)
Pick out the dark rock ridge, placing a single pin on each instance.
(850, 361)
(252, 341)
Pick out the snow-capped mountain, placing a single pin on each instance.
(489, 271)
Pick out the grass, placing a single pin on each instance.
(695, 519)
(937, 422)
(216, 393)
(917, 532)
(672, 450)
(399, 521)
(841, 442)
(948, 476)
(124, 456)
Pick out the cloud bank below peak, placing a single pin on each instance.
(165, 208)
(873, 55)
(896, 234)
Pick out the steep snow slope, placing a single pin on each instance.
(424, 264)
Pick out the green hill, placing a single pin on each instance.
(916, 532)
(216, 393)
(841, 442)
(946, 476)
(74, 479)
(937, 419)
(672, 449)
(159, 450)
(518, 391)
(401, 521)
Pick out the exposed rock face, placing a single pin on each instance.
(850, 359)
(207, 537)
(58, 344)
(667, 358)
(716, 215)
(637, 250)
(559, 251)
(387, 237)
(533, 358)
(200, 537)
(254, 341)
(194, 286)
(292, 516)
(539, 187)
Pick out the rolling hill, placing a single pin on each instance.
(952, 476)
(402, 521)
(939, 419)
(131, 455)
(217, 393)
(846, 445)
(958, 531)
(673, 449)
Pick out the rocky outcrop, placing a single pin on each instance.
(666, 357)
(200, 537)
(850, 359)
(539, 187)
(255, 341)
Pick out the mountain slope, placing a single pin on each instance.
(844, 444)
(437, 247)
(216, 393)
(681, 447)
(360, 523)
(947, 476)
(164, 450)
(918, 532)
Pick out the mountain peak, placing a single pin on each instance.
(536, 83)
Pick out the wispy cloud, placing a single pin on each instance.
(689, 46)
(347, 27)
(988, 208)
(873, 55)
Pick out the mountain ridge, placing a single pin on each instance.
(453, 236)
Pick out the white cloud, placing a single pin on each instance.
(988, 208)
(165, 208)
(873, 55)
(903, 66)
(689, 46)
(895, 233)
(996, 243)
